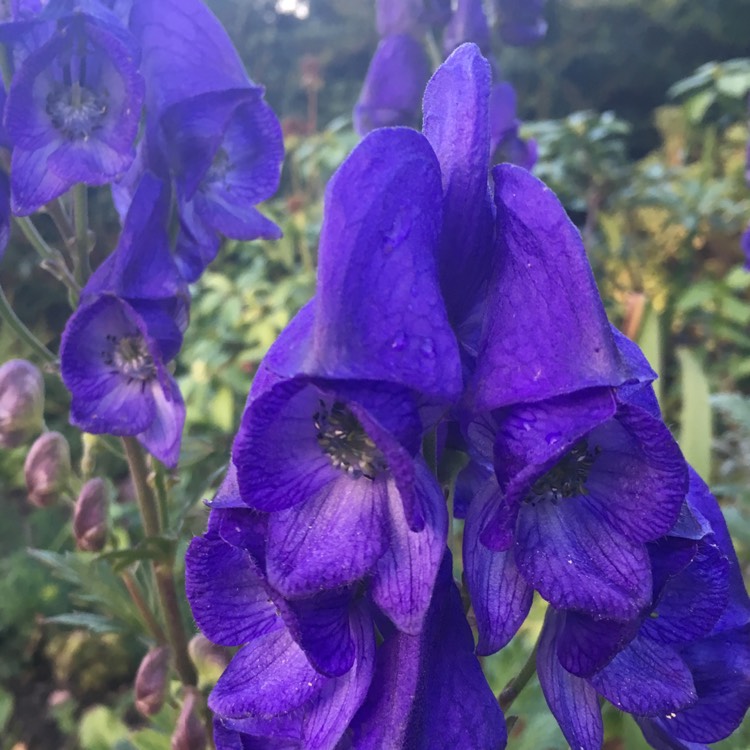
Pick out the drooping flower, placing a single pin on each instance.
(72, 112)
(21, 402)
(522, 21)
(393, 87)
(428, 691)
(305, 664)
(468, 24)
(506, 143)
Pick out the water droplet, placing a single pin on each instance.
(428, 348)
(399, 341)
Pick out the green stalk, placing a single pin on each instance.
(163, 571)
(513, 689)
(8, 315)
(81, 224)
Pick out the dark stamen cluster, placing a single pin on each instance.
(129, 356)
(567, 478)
(76, 111)
(343, 439)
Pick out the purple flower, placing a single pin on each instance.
(506, 144)
(399, 16)
(394, 84)
(468, 24)
(225, 150)
(745, 245)
(428, 692)
(72, 112)
(305, 664)
(682, 666)
(130, 323)
(522, 21)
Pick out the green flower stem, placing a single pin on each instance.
(58, 214)
(81, 224)
(163, 571)
(136, 595)
(8, 315)
(513, 689)
(52, 260)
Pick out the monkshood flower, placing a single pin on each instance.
(329, 442)
(207, 128)
(584, 476)
(305, 665)
(745, 245)
(393, 87)
(72, 112)
(468, 24)
(129, 325)
(522, 21)
(684, 662)
(506, 144)
(428, 692)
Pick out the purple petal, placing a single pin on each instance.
(533, 348)
(499, 594)
(398, 16)
(163, 436)
(377, 273)
(393, 86)
(572, 701)
(456, 125)
(468, 24)
(333, 539)
(646, 678)
(576, 560)
(320, 625)
(404, 576)
(269, 676)
(340, 698)
(227, 595)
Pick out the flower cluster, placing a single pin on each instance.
(456, 314)
(152, 99)
(400, 68)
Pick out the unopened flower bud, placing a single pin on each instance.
(151, 681)
(189, 733)
(21, 402)
(90, 516)
(47, 468)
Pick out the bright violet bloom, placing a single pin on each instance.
(399, 16)
(506, 144)
(685, 661)
(305, 665)
(130, 323)
(428, 692)
(208, 129)
(745, 245)
(329, 443)
(522, 21)
(72, 112)
(468, 24)
(394, 84)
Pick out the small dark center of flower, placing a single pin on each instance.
(76, 111)
(130, 357)
(567, 478)
(217, 172)
(343, 439)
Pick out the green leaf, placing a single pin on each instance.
(697, 106)
(157, 548)
(696, 424)
(94, 623)
(101, 729)
(6, 707)
(650, 341)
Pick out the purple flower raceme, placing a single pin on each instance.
(72, 112)
(115, 347)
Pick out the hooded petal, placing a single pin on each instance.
(546, 332)
(379, 311)
(163, 436)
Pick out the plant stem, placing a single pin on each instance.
(163, 571)
(8, 315)
(59, 216)
(81, 224)
(145, 611)
(513, 689)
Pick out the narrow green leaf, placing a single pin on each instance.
(650, 341)
(6, 707)
(696, 424)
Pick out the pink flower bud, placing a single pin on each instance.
(21, 402)
(90, 516)
(151, 681)
(47, 468)
(189, 733)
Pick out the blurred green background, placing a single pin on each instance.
(640, 111)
